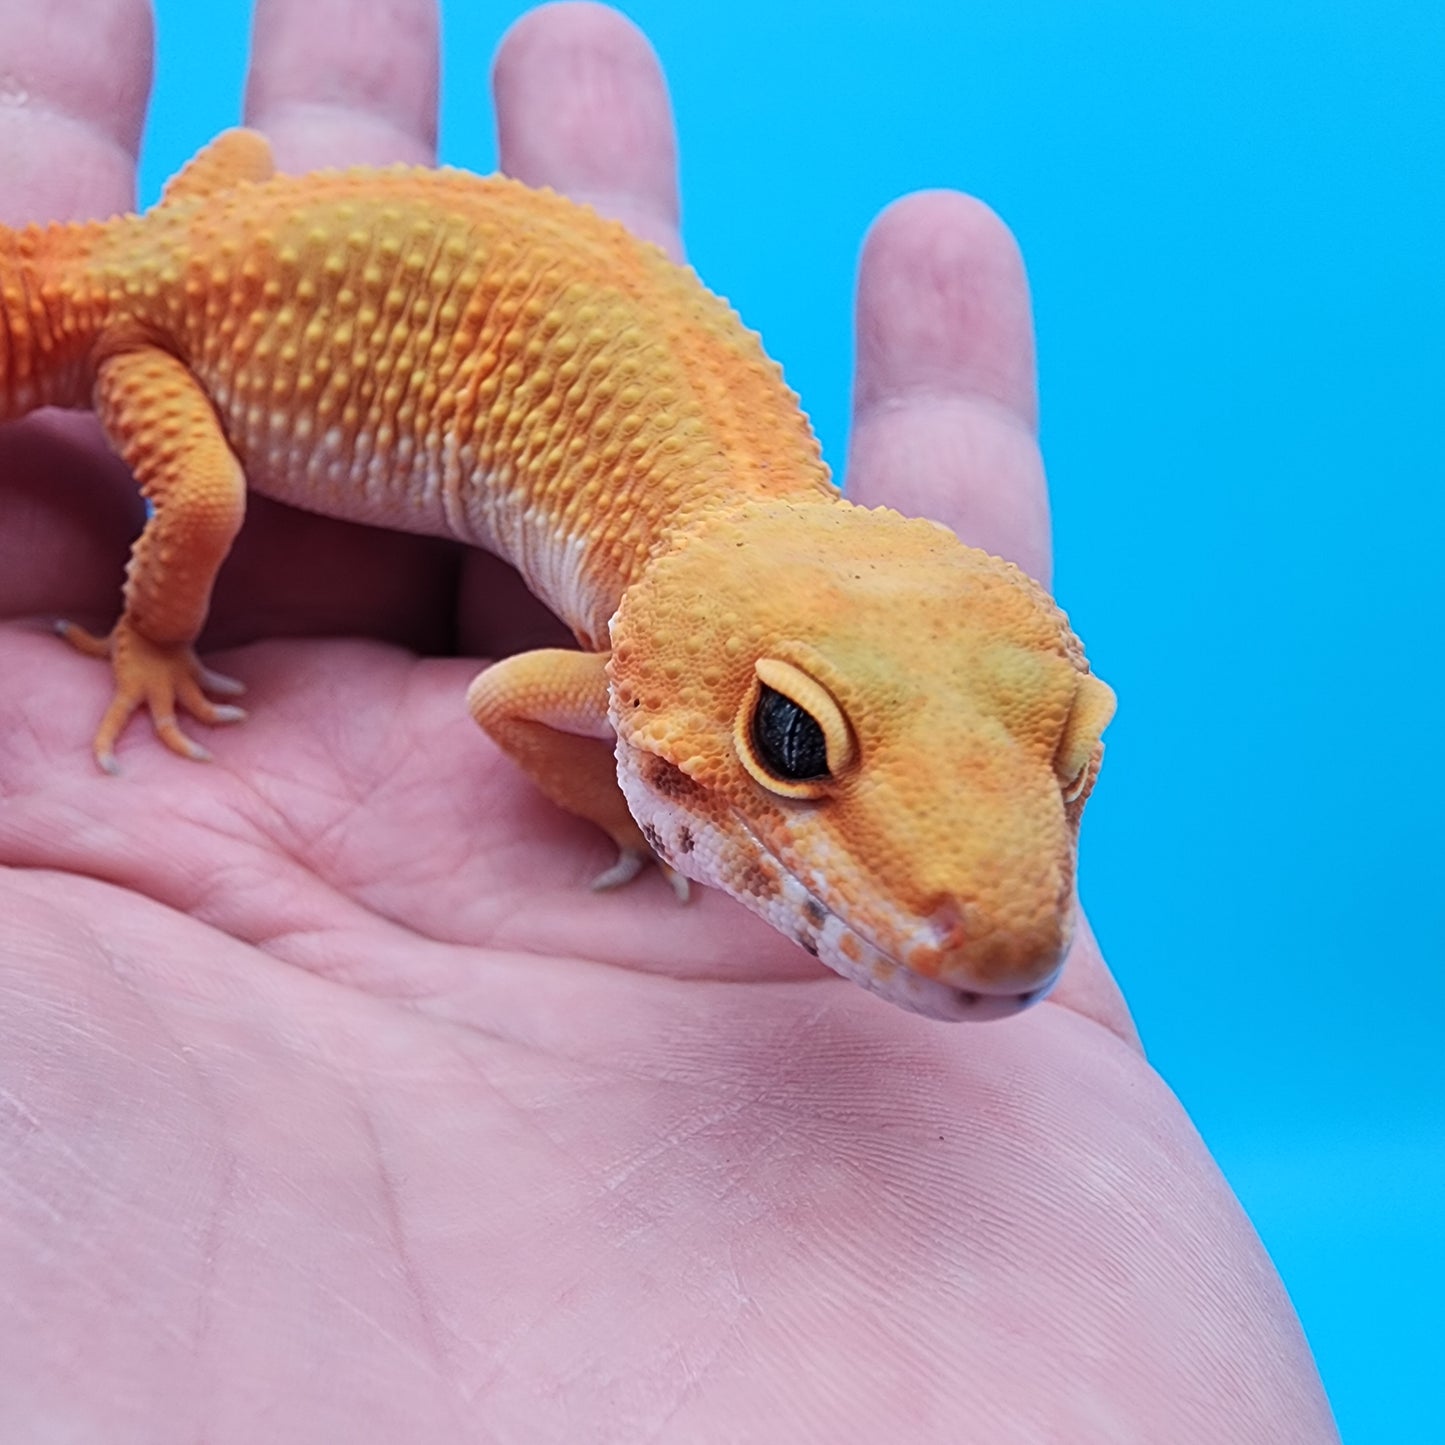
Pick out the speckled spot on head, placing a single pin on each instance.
(654, 840)
(759, 877)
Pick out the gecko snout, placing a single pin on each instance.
(992, 972)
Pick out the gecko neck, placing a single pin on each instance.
(579, 553)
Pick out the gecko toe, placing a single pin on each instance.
(630, 862)
(82, 640)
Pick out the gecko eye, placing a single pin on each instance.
(791, 735)
(788, 740)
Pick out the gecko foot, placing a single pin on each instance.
(157, 676)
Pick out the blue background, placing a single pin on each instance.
(1232, 215)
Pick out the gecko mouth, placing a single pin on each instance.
(727, 853)
(796, 910)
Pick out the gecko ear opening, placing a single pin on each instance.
(790, 734)
(1093, 707)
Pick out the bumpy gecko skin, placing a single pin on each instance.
(876, 737)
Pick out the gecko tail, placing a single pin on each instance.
(50, 314)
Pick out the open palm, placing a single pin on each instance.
(334, 1107)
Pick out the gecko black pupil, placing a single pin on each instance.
(788, 740)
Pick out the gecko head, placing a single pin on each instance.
(876, 737)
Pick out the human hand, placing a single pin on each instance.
(333, 1106)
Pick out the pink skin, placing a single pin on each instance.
(317, 1120)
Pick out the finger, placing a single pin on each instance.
(945, 417)
(945, 411)
(1088, 988)
(337, 83)
(582, 107)
(77, 79)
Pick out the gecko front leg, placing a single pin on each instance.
(547, 710)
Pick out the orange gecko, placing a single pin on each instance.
(876, 737)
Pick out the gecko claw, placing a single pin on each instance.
(222, 686)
